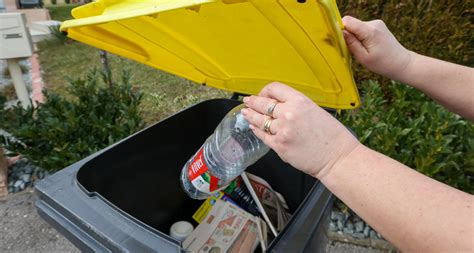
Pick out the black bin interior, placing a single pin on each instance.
(141, 174)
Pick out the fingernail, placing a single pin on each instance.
(246, 99)
(244, 112)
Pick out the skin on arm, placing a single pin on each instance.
(373, 45)
(450, 84)
(414, 212)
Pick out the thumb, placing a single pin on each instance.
(358, 28)
(355, 46)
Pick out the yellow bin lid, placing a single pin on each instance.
(235, 45)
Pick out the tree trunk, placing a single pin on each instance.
(3, 175)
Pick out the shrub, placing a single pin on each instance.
(417, 132)
(3, 100)
(8, 91)
(62, 131)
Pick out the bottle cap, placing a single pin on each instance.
(180, 230)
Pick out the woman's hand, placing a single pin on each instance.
(375, 47)
(302, 133)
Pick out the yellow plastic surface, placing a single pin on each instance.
(236, 45)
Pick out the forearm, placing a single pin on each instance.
(412, 211)
(450, 84)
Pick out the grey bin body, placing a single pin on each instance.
(125, 197)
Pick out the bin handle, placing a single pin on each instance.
(335, 22)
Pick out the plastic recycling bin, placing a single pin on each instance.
(125, 197)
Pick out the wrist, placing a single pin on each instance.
(403, 72)
(346, 152)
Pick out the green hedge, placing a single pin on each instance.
(61, 12)
(417, 132)
(401, 122)
(440, 29)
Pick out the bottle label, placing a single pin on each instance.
(199, 175)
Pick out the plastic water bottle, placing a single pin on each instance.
(224, 156)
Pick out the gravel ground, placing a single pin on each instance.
(349, 248)
(22, 175)
(352, 225)
(22, 230)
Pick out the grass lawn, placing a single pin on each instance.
(163, 94)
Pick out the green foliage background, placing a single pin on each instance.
(441, 29)
(62, 131)
(417, 132)
(393, 119)
(400, 121)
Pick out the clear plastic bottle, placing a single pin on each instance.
(224, 156)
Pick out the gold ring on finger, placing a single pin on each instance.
(267, 125)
